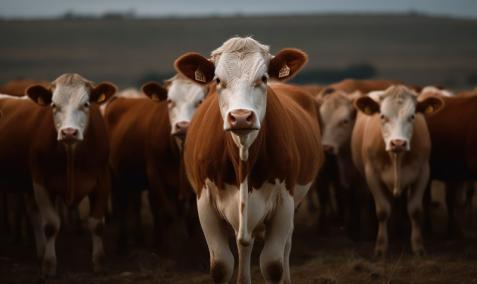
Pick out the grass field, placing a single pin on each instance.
(412, 48)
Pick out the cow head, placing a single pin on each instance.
(241, 68)
(337, 115)
(397, 108)
(183, 97)
(69, 98)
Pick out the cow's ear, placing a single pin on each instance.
(40, 94)
(195, 67)
(430, 105)
(367, 105)
(286, 63)
(102, 92)
(154, 91)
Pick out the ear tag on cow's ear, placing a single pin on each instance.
(367, 110)
(40, 101)
(155, 97)
(284, 71)
(199, 76)
(101, 98)
(429, 109)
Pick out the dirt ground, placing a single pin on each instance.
(327, 259)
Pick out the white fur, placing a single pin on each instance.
(6, 96)
(184, 96)
(70, 110)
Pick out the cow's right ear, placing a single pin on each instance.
(154, 91)
(195, 67)
(40, 94)
(366, 105)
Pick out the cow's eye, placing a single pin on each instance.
(383, 118)
(264, 79)
(198, 103)
(86, 104)
(217, 80)
(53, 105)
(345, 121)
(412, 117)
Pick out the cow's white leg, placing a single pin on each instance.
(36, 224)
(286, 259)
(221, 258)
(383, 211)
(244, 254)
(414, 209)
(278, 230)
(51, 225)
(98, 206)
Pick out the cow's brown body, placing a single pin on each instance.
(364, 86)
(143, 154)
(287, 147)
(18, 87)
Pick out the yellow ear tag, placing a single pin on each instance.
(101, 98)
(429, 109)
(155, 97)
(284, 71)
(199, 76)
(367, 110)
(40, 101)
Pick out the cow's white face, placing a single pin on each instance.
(183, 98)
(70, 96)
(337, 116)
(397, 108)
(70, 106)
(241, 68)
(242, 87)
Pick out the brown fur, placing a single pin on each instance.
(364, 86)
(287, 147)
(18, 87)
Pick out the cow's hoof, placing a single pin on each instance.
(98, 264)
(419, 252)
(380, 252)
(48, 268)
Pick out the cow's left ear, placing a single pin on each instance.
(102, 92)
(430, 105)
(367, 105)
(286, 63)
(195, 67)
(40, 94)
(154, 91)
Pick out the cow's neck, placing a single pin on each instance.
(70, 174)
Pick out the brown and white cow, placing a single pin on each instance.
(251, 154)
(454, 151)
(55, 145)
(147, 134)
(391, 148)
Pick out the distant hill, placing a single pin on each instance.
(412, 48)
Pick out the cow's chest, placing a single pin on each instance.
(262, 202)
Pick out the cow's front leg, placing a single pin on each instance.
(221, 258)
(383, 211)
(37, 225)
(278, 234)
(244, 254)
(98, 206)
(414, 209)
(50, 222)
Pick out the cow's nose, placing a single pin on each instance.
(398, 145)
(328, 149)
(181, 127)
(241, 119)
(69, 133)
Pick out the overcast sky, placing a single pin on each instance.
(51, 8)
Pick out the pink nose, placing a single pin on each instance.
(328, 149)
(241, 119)
(181, 127)
(69, 134)
(398, 145)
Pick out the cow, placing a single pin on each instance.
(453, 155)
(55, 145)
(18, 87)
(364, 86)
(147, 133)
(337, 117)
(251, 154)
(391, 147)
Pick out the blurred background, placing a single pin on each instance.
(128, 42)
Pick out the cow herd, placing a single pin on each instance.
(226, 143)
